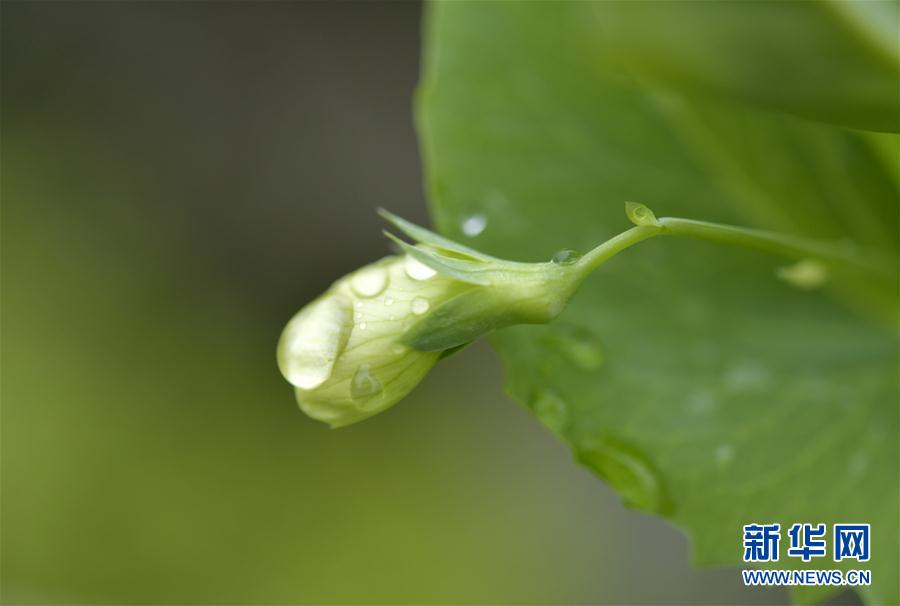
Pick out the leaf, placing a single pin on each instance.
(427, 237)
(453, 268)
(686, 374)
(834, 61)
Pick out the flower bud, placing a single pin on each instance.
(368, 341)
(344, 353)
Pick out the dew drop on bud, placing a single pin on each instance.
(566, 257)
(369, 281)
(417, 270)
(640, 214)
(313, 340)
(419, 306)
(474, 224)
(364, 384)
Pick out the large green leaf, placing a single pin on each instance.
(832, 60)
(685, 374)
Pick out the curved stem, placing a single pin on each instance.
(597, 256)
(789, 246)
(779, 244)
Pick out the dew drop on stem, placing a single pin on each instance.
(566, 257)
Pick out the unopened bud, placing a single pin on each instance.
(373, 336)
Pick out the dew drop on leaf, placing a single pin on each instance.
(857, 463)
(417, 270)
(474, 224)
(552, 410)
(579, 346)
(364, 384)
(629, 472)
(566, 257)
(746, 376)
(701, 402)
(419, 306)
(313, 340)
(388, 301)
(807, 274)
(724, 454)
(369, 281)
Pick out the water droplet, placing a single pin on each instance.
(552, 410)
(746, 376)
(364, 384)
(358, 316)
(640, 214)
(566, 257)
(806, 274)
(369, 281)
(392, 317)
(312, 341)
(417, 270)
(474, 224)
(629, 471)
(362, 325)
(578, 345)
(388, 301)
(398, 349)
(359, 305)
(419, 306)
(724, 454)
(857, 463)
(701, 402)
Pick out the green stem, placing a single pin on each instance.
(788, 246)
(597, 256)
(779, 244)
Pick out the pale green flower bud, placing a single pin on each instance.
(368, 341)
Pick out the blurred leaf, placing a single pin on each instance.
(152, 454)
(685, 374)
(836, 61)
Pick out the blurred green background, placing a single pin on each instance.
(178, 179)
